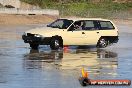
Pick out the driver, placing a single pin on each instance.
(78, 26)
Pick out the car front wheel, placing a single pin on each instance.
(102, 43)
(55, 44)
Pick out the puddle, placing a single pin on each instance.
(20, 66)
(97, 60)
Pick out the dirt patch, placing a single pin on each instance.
(7, 19)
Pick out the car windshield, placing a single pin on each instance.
(61, 23)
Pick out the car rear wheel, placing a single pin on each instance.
(102, 43)
(34, 46)
(55, 44)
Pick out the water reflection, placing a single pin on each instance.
(98, 61)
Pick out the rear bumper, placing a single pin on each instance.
(114, 39)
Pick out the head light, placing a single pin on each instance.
(37, 35)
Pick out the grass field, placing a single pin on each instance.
(86, 8)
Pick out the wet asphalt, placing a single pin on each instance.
(22, 67)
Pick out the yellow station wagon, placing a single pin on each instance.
(73, 31)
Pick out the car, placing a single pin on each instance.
(73, 31)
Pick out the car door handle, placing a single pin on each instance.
(97, 32)
(83, 32)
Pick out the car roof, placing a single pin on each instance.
(77, 19)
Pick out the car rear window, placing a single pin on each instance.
(90, 25)
(105, 25)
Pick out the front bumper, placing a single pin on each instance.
(30, 39)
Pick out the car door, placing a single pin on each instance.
(91, 32)
(73, 36)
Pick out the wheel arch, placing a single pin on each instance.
(101, 38)
(111, 39)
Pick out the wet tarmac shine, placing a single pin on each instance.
(21, 67)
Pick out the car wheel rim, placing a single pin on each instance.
(56, 43)
(103, 43)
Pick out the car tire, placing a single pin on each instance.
(55, 44)
(34, 46)
(102, 43)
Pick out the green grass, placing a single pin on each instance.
(105, 9)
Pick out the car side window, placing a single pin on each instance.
(106, 25)
(58, 23)
(90, 25)
(77, 26)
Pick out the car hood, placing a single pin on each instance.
(42, 30)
